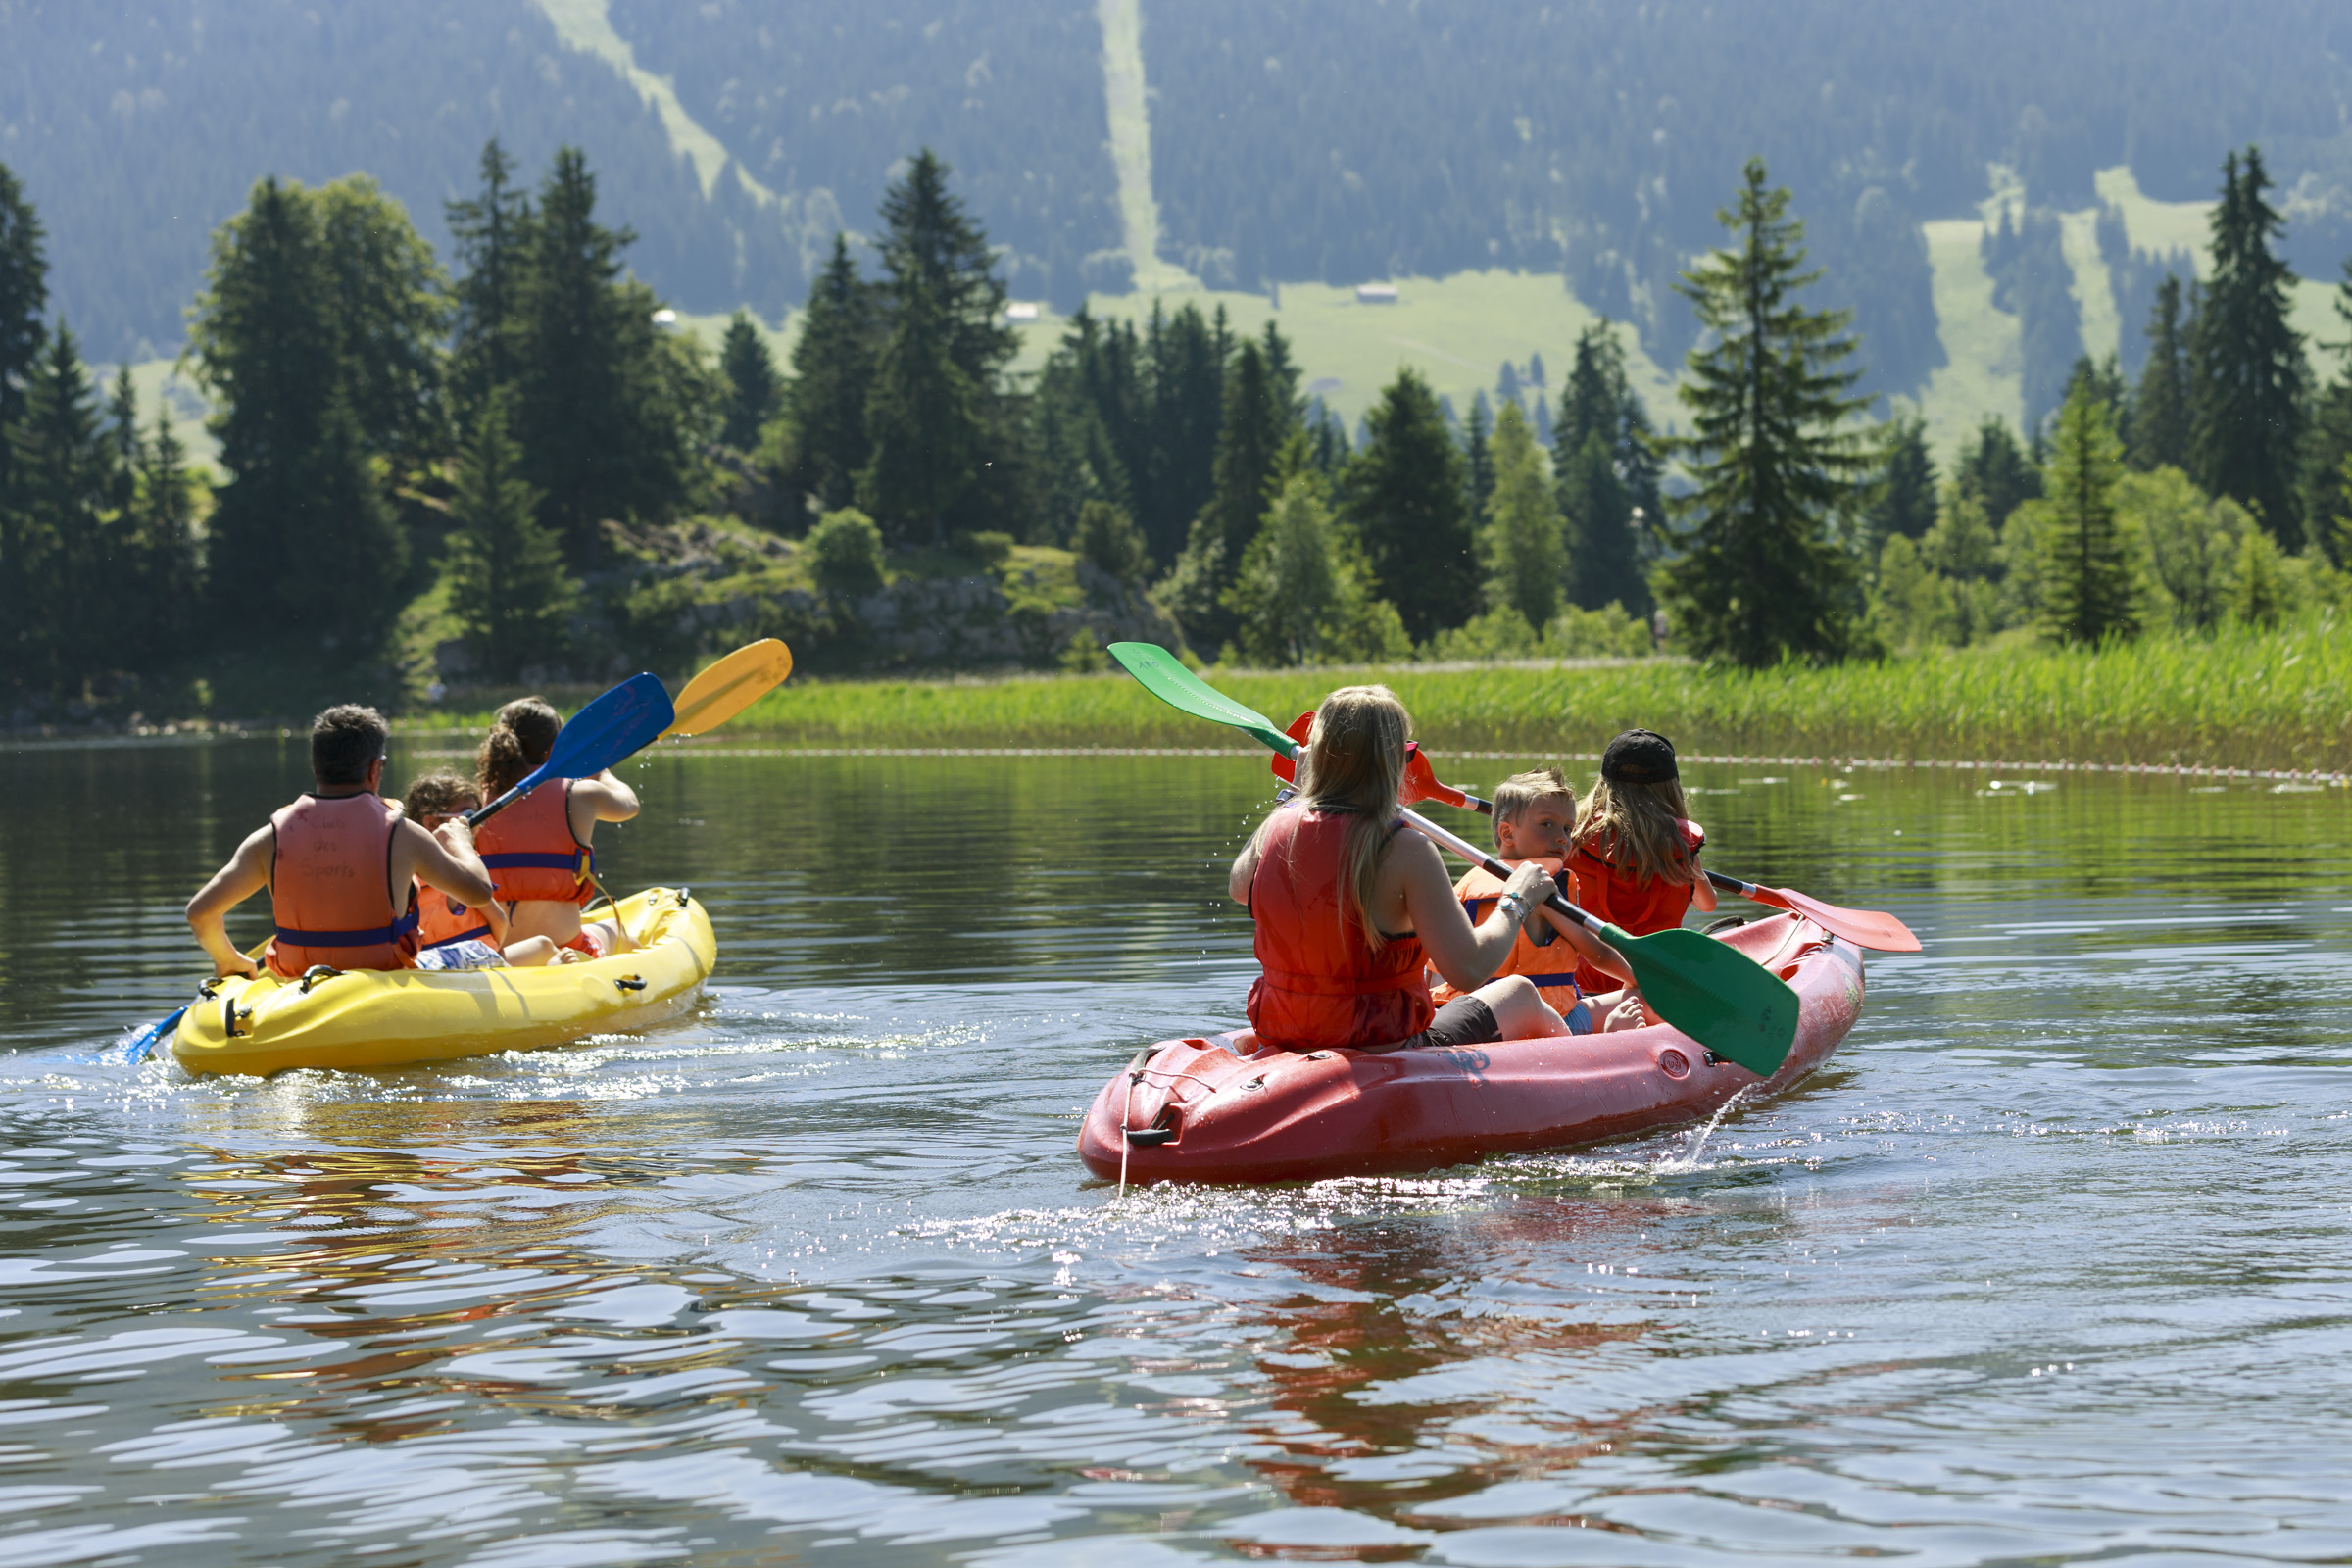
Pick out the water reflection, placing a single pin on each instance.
(2054, 1245)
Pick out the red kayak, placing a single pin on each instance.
(1226, 1109)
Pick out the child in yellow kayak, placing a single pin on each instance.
(1535, 815)
(448, 935)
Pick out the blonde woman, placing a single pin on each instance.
(1348, 906)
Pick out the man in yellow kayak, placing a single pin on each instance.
(338, 863)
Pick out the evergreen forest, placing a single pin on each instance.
(496, 460)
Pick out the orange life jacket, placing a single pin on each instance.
(531, 853)
(330, 887)
(1619, 896)
(441, 918)
(1552, 967)
(1321, 986)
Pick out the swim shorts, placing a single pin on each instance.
(1463, 1021)
(471, 954)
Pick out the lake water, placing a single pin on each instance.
(2052, 1265)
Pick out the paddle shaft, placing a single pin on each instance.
(1728, 884)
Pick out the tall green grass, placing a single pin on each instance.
(2243, 698)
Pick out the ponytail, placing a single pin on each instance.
(524, 733)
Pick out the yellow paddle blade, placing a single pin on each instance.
(730, 686)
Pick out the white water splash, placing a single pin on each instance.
(1688, 1161)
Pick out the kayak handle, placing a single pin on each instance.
(229, 1016)
(316, 973)
(1151, 1137)
(630, 982)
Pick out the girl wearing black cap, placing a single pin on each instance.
(1635, 854)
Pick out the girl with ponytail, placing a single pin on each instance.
(1348, 905)
(538, 851)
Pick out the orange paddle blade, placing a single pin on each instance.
(730, 686)
(1420, 782)
(1864, 928)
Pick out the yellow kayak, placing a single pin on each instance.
(384, 1018)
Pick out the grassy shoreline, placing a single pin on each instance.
(2243, 698)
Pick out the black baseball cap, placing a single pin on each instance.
(1639, 757)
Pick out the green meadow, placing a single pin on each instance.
(2243, 698)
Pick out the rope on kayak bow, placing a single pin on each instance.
(1135, 1075)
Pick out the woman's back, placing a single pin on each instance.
(1323, 985)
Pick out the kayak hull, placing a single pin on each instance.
(368, 1019)
(1226, 1109)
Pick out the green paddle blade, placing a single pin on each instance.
(1166, 677)
(1715, 994)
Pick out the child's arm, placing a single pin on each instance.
(1595, 952)
(1702, 890)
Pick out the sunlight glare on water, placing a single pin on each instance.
(2048, 1263)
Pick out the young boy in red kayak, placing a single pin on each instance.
(1634, 854)
(1535, 816)
(340, 864)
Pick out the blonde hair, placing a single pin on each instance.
(1520, 791)
(1354, 763)
(525, 732)
(440, 793)
(1636, 827)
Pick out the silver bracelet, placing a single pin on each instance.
(1515, 905)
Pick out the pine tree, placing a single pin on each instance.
(2160, 411)
(1761, 579)
(2104, 380)
(265, 345)
(832, 369)
(754, 389)
(163, 532)
(121, 441)
(347, 541)
(1404, 494)
(1604, 542)
(1257, 423)
(2086, 577)
(1902, 499)
(491, 236)
(1328, 449)
(2248, 371)
(507, 582)
(23, 297)
(1598, 399)
(597, 411)
(1996, 471)
(1187, 360)
(1525, 549)
(59, 491)
(2327, 444)
(932, 412)
(1281, 370)
(1477, 456)
(388, 304)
